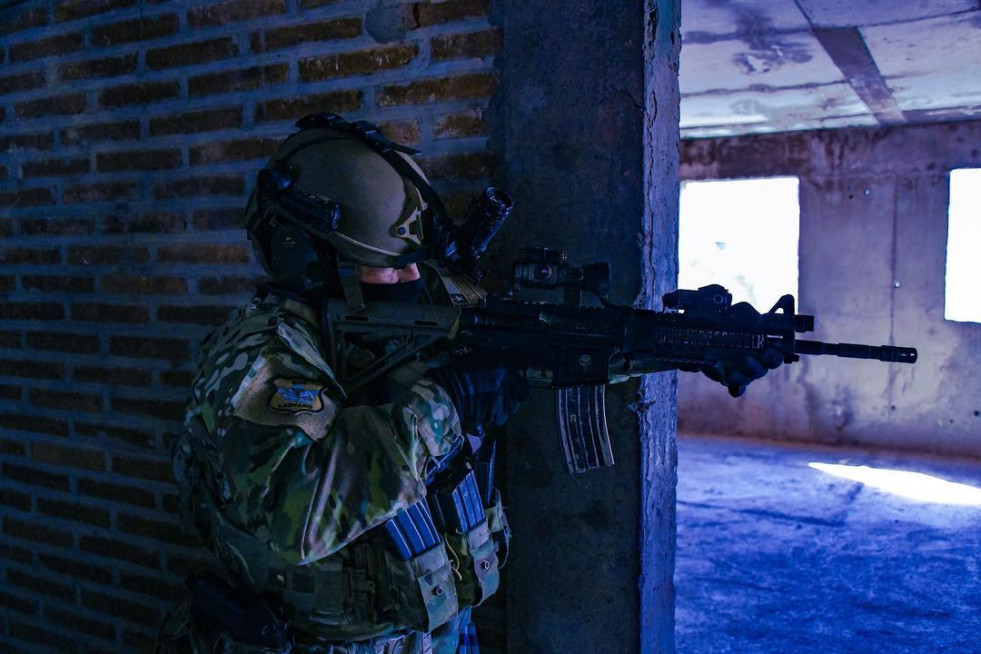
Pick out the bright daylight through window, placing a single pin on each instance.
(742, 234)
(963, 301)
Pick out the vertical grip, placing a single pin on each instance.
(580, 412)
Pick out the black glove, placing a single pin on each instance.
(484, 392)
(736, 372)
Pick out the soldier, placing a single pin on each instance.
(345, 519)
(314, 499)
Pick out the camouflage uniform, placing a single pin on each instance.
(287, 480)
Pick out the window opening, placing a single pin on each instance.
(962, 300)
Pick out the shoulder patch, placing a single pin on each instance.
(276, 401)
(294, 396)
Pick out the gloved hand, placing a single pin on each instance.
(736, 373)
(484, 392)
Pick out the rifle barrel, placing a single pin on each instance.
(887, 353)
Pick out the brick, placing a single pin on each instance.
(14, 499)
(67, 455)
(115, 313)
(10, 552)
(22, 82)
(77, 622)
(6, 229)
(157, 408)
(200, 185)
(112, 376)
(143, 468)
(99, 68)
(67, 402)
(472, 165)
(34, 256)
(127, 435)
(436, 13)
(15, 142)
(237, 150)
(364, 62)
(472, 44)
(139, 29)
(117, 549)
(340, 102)
(42, 636)
(149, 348)
(73, 511)
(233, 11)
(77, 569)
(208, 220)
(48, 47)
(10, 393)
(31, 530)
(57, 284)
(17, 603)
(176, 378)
(56, 226)
(117, 493)
(196, 315)
(122, 608)
(204, 253)
(115, 162)
(26, 19)
(143, 285)
(100, 192)
(28, 197)
(75, 9)
(167, 531)
(60, 105)
(151, 222)
(55, 167)
(226, 285)
(193, 122)
(85, 134)
(237, 80)
(460, 125)
(61, 342)
(31, 369)
(127, 95)
(95, 255)
(292, 35)
(462, 87)
(187, 54)
(406, 132)
(12, 448)
(15, 421)
(31, 311)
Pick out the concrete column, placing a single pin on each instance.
(588, 131)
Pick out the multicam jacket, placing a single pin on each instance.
(286, 481)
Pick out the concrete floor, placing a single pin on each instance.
(776, 556)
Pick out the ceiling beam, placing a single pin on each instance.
(852, 57)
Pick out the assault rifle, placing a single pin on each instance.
(577, 350)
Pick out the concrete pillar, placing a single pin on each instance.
(588, 131)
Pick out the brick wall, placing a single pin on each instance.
(130, 132)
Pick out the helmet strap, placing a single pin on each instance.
(347, 273)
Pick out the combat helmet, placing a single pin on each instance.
(337, 194)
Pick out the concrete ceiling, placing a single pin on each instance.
(752, 66)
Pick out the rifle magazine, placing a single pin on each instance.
(581, 415)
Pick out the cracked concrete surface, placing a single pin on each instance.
(775, 556)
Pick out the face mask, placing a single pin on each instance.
(404, 293)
